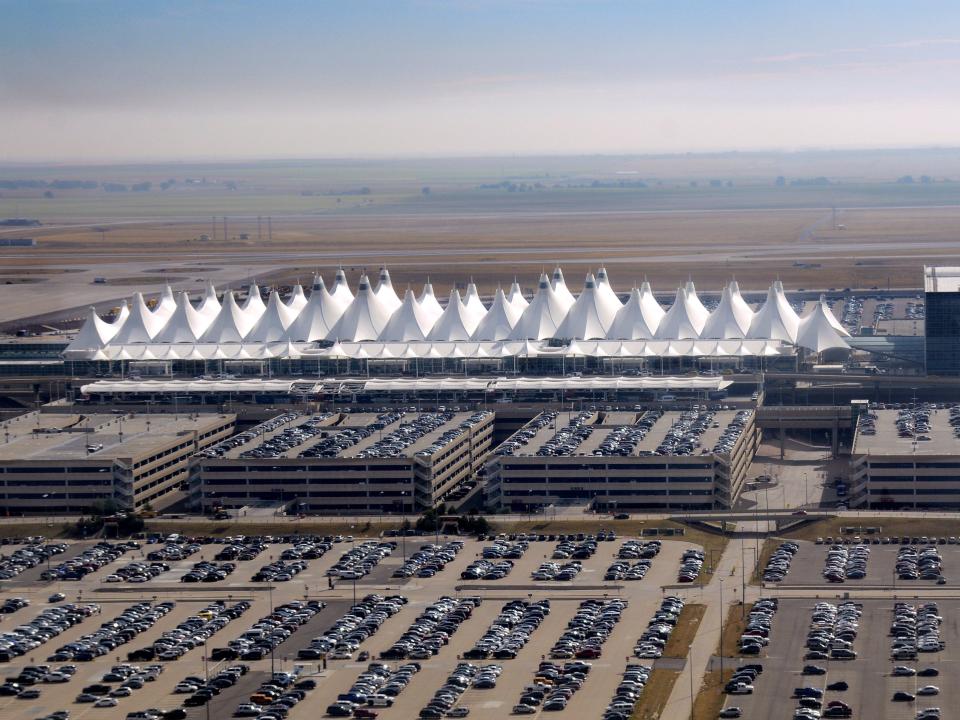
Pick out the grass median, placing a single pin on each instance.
(733, 629)
(710, 698)
(678, 645)
(655, 694)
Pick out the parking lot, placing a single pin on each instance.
(311, 584)
(808, 564)
(871, 685)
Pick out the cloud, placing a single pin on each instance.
(801, 56)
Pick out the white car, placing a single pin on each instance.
(121, 692)
(341, 655)
(105, 702)
(113, 578)
(56, 677)
(929, 690)
(185, 688)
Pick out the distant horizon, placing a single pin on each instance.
(112, 80)
(239, 159)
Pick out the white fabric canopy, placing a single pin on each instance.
(365, 318)
(209, 306)
(411, 322)
(732, 317)
(186, 324)
(639, 318)
(341, 289)
(385, 292)
(817, 333)
(515, 297)
(273, 323)
(560, 288)
(142, 325)
(590, 317)
(458, 322)
(316, 320)
(230, 325)
(430, 304)
(500, 319)
(776, 319)
(684, 320)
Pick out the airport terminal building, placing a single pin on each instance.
(625, 460)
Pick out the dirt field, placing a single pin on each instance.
(453, 221)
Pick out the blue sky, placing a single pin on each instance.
(112, 79)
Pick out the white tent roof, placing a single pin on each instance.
(817, 333)
(386, 293)
(560, 288)
(591, 316)
(93, 335)
(209, 306)
(474, 303)
(515, 297)
(605, 288)
(499, 320)
(230, 325)
(429, 303)
(254, 306)
(298, 300)
(273, 323)
(776, 320)
(411, 322)
(456, 323)
(639, 318)
(122, 316)
(543, 315)
(317, 319)
(694, 306)
(832, 319)
(732, 317)
(341, 289)
(141, 326)
(365, 318)
(185, 325)
(683, 320)
(166, 305)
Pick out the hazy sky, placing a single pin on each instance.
(113, 79)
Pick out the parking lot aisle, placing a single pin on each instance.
(434, 671)
(519, 672)
(590, 701)
(729, 569)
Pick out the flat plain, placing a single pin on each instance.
(709, 218)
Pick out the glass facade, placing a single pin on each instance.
(943, 333)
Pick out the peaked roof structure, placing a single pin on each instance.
(639, 318)
(316, 320)
(166, 305)
(515, 297)
(186, 324)
(817, 333)
(560, 288)
(732, 317)
(386, 293)
(142, 325)
(684, 320)
(411, 322)
(456, 323)
(341, 289)
(591, 316)
(832, 319)
(273, 323)
(542, 316)
(776, 320)
(695, 306)
(364, 318)
(209, 306)
(94, 334)
(254, 306)
(230, 325)
(500, 319)
(473, 302)
(122, 316)
(298, 300)
(605, 288)
(429, 303)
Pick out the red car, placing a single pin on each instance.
(362, 712)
